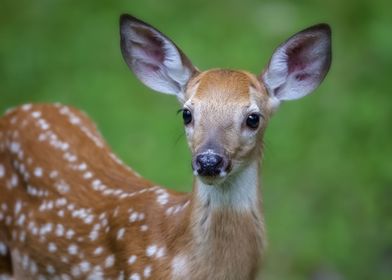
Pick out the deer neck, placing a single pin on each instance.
(226, 226)
(218, 207)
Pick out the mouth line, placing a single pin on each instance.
(221, 174)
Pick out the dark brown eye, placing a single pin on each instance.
(187, 116)
(252, 121)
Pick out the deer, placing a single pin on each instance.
(71, 209)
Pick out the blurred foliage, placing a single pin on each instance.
(327, 171)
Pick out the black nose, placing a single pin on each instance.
(208, 164)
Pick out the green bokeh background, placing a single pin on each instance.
(327, 174)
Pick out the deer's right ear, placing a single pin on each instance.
(154, 58)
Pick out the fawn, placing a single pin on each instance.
(69, 208)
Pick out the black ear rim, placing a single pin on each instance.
(127, 19)
(325, 29)
(320, 27)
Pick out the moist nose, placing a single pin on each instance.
(209, 164)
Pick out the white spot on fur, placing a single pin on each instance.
(133, 217)
(65, 277)
(179, 267)
(15, 147)
(93, 235)
(132, 259)
(61, 202)
(33, 267)
(109, 261)
(85, 266)
(22, 236)
(21, 219)
(53, 174)
(62, 187)
(147, 271)
(3, 249)
(74, 120)
(140, 217)
(70, 157)
(120, 233)
(134, 276)
(14, 181)
(75, 271)
(162, 196)
(18, 206)
(89, 219)
(82, 166)
(98, 251)
(38, 172)
(151, 250)
(96, 274)
(161, 252)
(2, 171)
(52, 247)
(144, 227)
(73, 249)
(59, 230)
(36, 114)
(26, 107)
(50, 269)
(87, 175)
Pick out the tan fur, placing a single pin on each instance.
(225, 85)
(217, 244)
(231, 243)
(219, 99)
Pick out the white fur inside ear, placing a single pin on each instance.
(298, 66)
(277, 71)
(154, 59)
(273, 103)
(174, 65)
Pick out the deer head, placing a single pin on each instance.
(225, 112)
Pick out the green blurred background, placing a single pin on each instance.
(327, 171)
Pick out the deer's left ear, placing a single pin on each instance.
(154, 58)
(300, 64)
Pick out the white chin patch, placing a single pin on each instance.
(213, 181)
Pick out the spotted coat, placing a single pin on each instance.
(71, 213)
